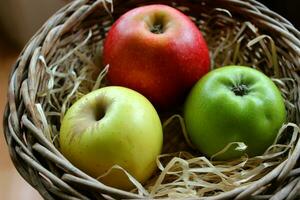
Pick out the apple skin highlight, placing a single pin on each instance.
(163, 64)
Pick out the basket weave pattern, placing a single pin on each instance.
(37, 157)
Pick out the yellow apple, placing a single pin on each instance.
(112, 126)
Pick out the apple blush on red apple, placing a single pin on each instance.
(157, 51)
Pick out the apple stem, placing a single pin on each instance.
(157, 29)
(99, 114)
(240, 90)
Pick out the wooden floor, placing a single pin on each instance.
(12, 185)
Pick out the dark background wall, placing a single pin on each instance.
(289, 9)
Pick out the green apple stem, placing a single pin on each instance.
(240, 90)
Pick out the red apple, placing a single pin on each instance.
(157, 51)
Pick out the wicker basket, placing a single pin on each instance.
(37, 157)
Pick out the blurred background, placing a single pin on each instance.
(19, 20)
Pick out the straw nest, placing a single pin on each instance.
(62, 62)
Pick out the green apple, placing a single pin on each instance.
(234, 104)
(112, 126)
